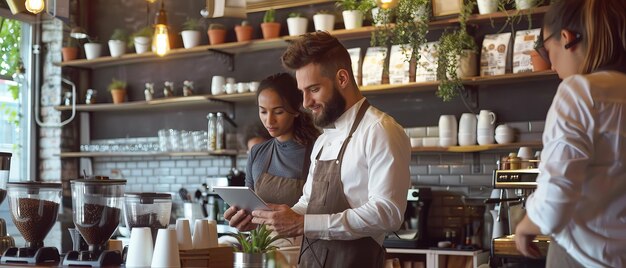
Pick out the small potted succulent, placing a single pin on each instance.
(117, 43)
(141, 39)
(217, 33)
(297, 24)
(70, 49)
(191, 32)
(243, 31)
(324, 21)
(118, 90)
(255, 249)
(269, 27)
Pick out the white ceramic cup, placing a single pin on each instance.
(200, 238)
(254, 86)
(230, 88)
(416, 142)
(183, 233)
(525, 153)
(217, 85)
(486, 119)
(139, 248)
(467, 123)
(242, 87)
(166, 249)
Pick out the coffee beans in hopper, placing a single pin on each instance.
(35, 218)
(98, 223)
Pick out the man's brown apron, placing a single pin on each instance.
(281, 190)
(327, 197)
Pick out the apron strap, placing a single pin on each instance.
(307, 162)
(357, 121)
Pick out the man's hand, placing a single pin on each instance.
(525, 232)
(239, 219)
(281, 219)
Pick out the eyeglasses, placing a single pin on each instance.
(541, 50)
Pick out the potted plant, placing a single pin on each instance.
(255, 249)
(217, 33)
(296, 24)
(456, 56)
(243, 31)
(118, 90)
(269, 27)
(70, 49)
(487, 6)
(93, 49)
(324, 21)
(117, 43)
(353, 12)
(191, 32)
(141, 39)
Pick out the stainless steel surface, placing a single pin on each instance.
(250, 259)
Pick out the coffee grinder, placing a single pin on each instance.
(6, 241)
(96, 208)
(148, 210)
(34, 208)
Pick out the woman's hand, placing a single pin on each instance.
(525, 232)
(239, 219)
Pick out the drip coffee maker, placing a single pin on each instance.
(96, 208)
(150, 210)
(6, 241)
(34, 208)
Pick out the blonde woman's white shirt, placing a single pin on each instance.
(581, 194)
(374, 174)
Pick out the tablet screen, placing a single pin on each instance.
(241, 197)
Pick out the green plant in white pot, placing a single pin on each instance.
(324, 21)
(141, 39)
(254, 249)
(117, 43)
(191, 32)
(297, 24)
(354, 11)
(93, 49)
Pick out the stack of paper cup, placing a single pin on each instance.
(139, 248)
(201, 234)
(183, 233)
(166, 249)
(212, 233)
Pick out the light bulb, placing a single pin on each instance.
(160, 41)
(35, 6)
(387, 4)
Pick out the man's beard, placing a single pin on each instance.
(332, 110)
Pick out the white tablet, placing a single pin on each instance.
(241, 197)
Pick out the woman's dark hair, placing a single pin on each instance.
(304, 132)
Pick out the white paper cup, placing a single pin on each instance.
(139, 248)
(166, 249)
(183, 233)
(212, 233)
(200, 238)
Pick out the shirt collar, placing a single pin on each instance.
(344, 122)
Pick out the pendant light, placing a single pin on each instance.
(35, 6)
(160, 40)
(387, 4)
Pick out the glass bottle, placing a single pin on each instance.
(219, 138)
(212, 131)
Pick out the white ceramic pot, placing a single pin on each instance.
(190, 38)
(524, 4)
(93, 50)
(142, 44)
(380, 19)
(324, 22)
(352, 19)
(487, 6)
(297, 26)
(468, 65)
(117, 48)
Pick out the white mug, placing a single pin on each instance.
(230, 88)
(486, 119)
(242, 87)
(217, 85)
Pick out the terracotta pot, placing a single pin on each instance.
(244, 33)
(69, 53)
(118, 95)
(270, 30)
(217, 36)
(538, 63)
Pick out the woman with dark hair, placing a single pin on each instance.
(581, 190)
(277, 169)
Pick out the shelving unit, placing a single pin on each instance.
(477, 148)
(436, 258)
(153, 154)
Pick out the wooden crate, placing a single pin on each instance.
(211, 257)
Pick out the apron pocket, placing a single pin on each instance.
(318, 193)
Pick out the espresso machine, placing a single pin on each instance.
(515, 187)
(412, 234)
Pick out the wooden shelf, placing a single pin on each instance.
(477, 148)
(153, 154)
(247, 97)
(281, 42)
